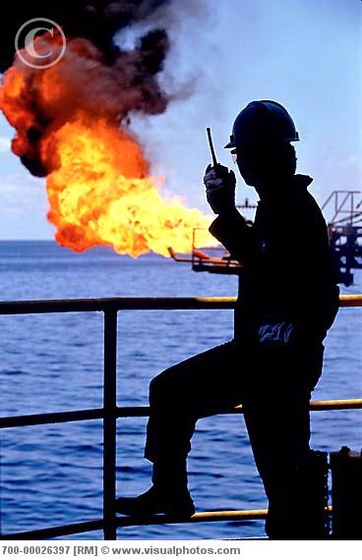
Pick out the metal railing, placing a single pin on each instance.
(109, 412)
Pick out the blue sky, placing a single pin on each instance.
(306, 54)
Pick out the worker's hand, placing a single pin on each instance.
(220, 182)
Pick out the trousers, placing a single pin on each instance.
(274, 384)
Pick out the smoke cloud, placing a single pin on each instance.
(96, 20)
(97, 76)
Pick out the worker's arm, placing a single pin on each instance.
(230, 228)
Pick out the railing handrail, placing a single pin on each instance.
(110, 411)
(140, 411)
(135, 303)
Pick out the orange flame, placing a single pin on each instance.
(98, 183)
(100, 195)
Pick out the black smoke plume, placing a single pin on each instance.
(97, 21)
(103, 78)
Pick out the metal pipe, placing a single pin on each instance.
(109, 423)
(51, 418)
(202, 517)
(342, 404)
(125, 521)
(350, 300)
(135, 303)
(141, 411)
(59, 531)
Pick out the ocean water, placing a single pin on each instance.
(52, 475)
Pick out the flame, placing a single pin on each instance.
(101, 194)
(98, 181)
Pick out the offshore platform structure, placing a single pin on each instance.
(345, 232)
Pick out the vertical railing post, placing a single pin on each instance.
(109, 422)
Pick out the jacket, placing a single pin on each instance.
(288, 273)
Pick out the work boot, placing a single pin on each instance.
(152, 501)
(169, 493)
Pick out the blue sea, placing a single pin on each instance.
(52, 475)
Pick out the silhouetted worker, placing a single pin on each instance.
(288, 299)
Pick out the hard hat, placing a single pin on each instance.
(262, 122)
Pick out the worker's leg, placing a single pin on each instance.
(200, 386)
(278, 422)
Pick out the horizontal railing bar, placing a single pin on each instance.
(59, 531)
(205, 516)
(350, 300)
(342, 404)
(124, 521)
(114, 304)
(52, 418)
(141, 411)
(134, 303)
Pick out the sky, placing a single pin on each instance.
(305, 54)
